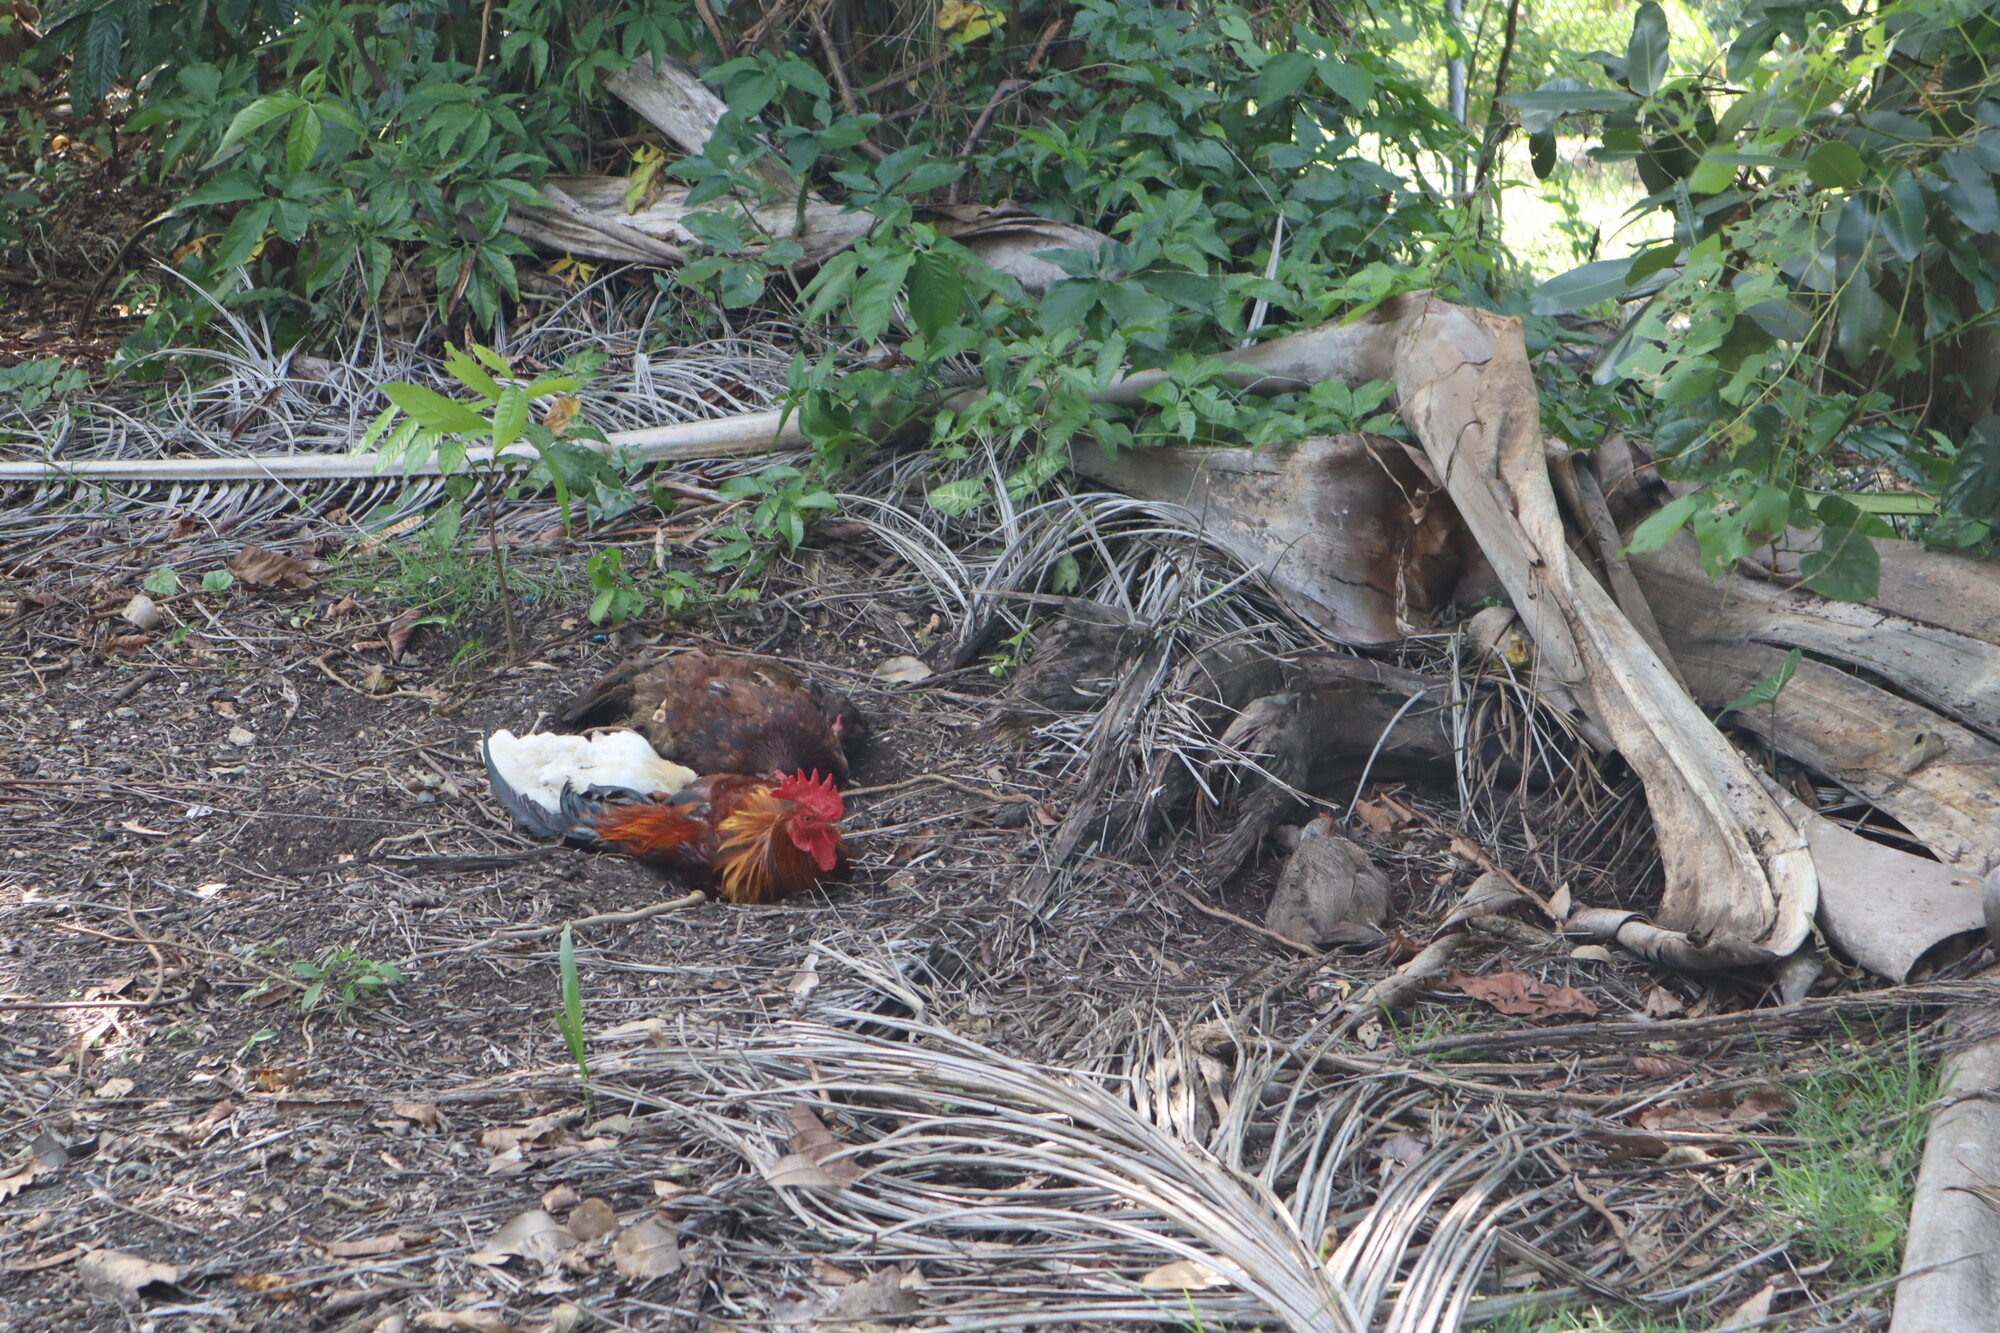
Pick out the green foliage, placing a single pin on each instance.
(344, 973)
(322, 144)
(435, 569)
(162, 582)
(570, 1017)
(780, 501)
(1213, 146)
(620, 595)
(1847, 1184)
(32, 383)
(1830, 204)
(1767, 690)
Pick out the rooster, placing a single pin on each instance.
(756, 839)
(719, 714)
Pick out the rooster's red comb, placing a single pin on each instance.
(815, 793)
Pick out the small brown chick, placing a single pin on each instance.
(723, 714)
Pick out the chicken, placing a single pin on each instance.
(536, 770)
(755, 839)
(724, 715)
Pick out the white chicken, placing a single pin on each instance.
(547, 773)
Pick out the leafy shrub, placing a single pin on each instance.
(1817, 317)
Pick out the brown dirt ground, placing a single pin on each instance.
(156, 874)
(155, 870)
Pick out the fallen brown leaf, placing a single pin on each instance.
(126, 643)
(1663, 1003)
(813, 1141)
(796, 1169)
(645, 1250)
(16, 1181)
(400, 631)
(891, 1291)
(1715, 1109)
(534, 1235)
(261, 568)
(124, 1277)
(196, 1131)
(1383, 813)
(1519, 993)
(422, 1113)
(592, 1218)
(1183, 1275)
(467, 1321)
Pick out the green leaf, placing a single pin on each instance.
(1972, 488)
(571, 1018)
(1542, 154)
(937, 293)
(875, 295)
(470, 373)
(957, 497)
(1835, 165)
(253, 118)
(217, 581)
(1566, 293)
(1713, 174)
(1646, 52)
(1283, 75)
(1846, 566)
(102, 46)
(302, 140)
(1350, 83)
(510, 415)
(162, 582)
(233, 187)
(1766, 690)
(244, 233)
(830, 285)
(1659, 529)
(1861, 316)
(1541, 108)
(1970, 194)
(494, 361)
(1903, 216)
(433, 411)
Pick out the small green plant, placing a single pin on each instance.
(784, 498)
(434, 569)
(346, 974)
(217, 581)
(1013, 650)
(33, 383)
(481, 440)
(570, 1018)
(620, 595)
(162, 582)
(257, 1038)
(1847, 1184)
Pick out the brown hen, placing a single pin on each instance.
(723, 714)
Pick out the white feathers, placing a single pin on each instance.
(538, 766)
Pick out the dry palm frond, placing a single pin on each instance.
(1168, 1149)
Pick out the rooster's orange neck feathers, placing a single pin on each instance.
(775, 838)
